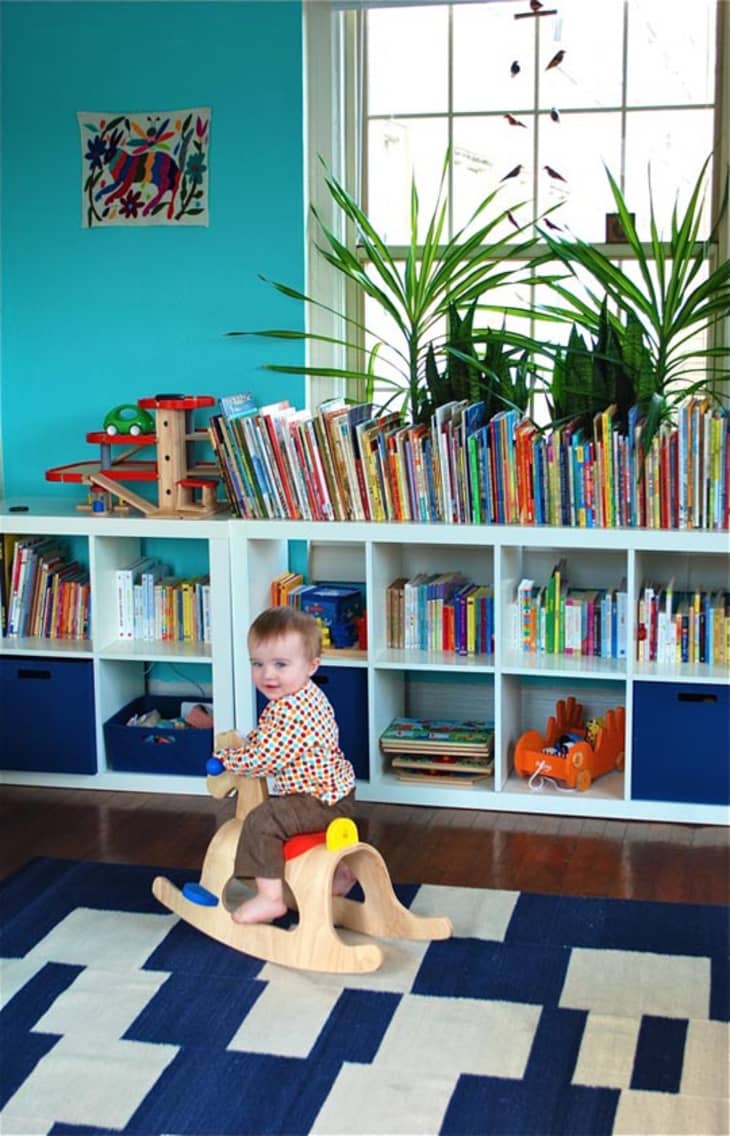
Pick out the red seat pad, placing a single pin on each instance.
(296, 845)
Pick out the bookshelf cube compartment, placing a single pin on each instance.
(35, 695)
(433, 629)
(153, 749)
(528, 702)
(565, 605)
(129, 612)
(432, 695)
(680, 613)
(680, 743)
(48, 589)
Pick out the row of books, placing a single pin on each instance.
(440, 611)
(49, 595)
(452, 752)
(152, 604)
(676, 626)
(350, 462)
(672, 626)
(548, 620)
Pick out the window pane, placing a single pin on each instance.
(591, 35)
(381, 328)
(577, 150)
(487, 40)
(578, 284)
(485, 151)
(407, 60)
(671, 52)
(675, 144)
(602, 105)
(400, 149)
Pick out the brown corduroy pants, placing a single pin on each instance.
(260, 851)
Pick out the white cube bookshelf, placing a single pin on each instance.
(514, 689)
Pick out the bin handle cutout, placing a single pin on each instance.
(24, 672)
(694, 697)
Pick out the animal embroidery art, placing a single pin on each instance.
(144, 169)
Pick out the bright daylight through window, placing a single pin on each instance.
(534, 101)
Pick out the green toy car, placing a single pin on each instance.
(129, 419)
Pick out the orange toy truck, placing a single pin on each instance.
(573, 750)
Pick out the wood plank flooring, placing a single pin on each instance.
(469, 848)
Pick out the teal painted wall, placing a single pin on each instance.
(92, 318)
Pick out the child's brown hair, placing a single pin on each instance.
(278, 621)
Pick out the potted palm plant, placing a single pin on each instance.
(644, 331)
(440, 283)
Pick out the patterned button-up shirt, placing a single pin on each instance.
(297, 742)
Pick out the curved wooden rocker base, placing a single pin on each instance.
(313, 942)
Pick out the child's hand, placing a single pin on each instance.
(229, 739)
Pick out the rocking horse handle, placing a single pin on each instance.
(219, 782)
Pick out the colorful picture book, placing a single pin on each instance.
(438, 736)
(444, 775)
(450, 752)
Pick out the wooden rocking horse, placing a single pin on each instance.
(311, 859)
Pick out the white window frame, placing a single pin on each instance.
(331, 115)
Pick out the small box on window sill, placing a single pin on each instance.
(615, 232)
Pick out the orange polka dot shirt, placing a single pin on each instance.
(296, 742)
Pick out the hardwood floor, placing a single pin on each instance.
(675, 863)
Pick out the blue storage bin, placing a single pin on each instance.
(347, 690)
(681, 736)
(47, 712)
(152, 749)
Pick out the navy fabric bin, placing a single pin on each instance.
(347, 690)
(47, 712)
(681, 737)
(151, 749)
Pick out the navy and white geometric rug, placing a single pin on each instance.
(543, 1015)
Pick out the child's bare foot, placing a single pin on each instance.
(344, 879)
(258, 910)
(266, 905)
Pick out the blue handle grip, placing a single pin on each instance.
(214, 766)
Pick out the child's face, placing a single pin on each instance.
(281, 666)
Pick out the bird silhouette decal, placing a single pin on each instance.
(512, 174)
(556, 60)
(555, 115)
(553, 173)
(515, 68)
(514, 121)
(536, 5)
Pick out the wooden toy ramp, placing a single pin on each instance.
(185, 486)
(313, 942)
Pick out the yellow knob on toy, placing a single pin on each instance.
(341, 833)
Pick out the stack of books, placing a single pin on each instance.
(454, 753)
